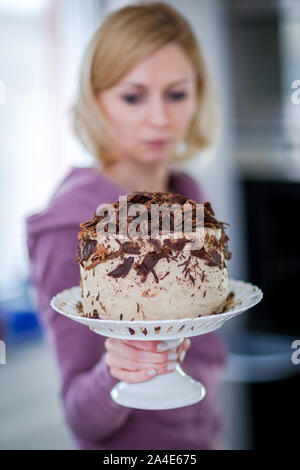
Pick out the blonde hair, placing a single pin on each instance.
(125, 37)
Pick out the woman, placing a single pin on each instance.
(144, 104)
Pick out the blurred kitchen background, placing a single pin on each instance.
(252, 179)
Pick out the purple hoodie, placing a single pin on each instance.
(96, 421)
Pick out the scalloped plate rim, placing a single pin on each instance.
(105, 322)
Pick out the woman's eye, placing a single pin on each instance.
(177, 96)
(132, 99)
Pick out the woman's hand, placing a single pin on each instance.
(137, 361)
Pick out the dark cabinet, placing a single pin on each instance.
(272, 213)
(272, 209)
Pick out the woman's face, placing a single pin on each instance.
(150, 109)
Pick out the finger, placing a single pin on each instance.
(186, 344)
(137, 355)
(116, 361)
(147, 345)
(182, 349)
(134, 376)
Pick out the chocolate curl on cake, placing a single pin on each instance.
(87, 248)
(123, 269)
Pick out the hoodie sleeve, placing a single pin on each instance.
(85, 377)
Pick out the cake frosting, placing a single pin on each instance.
(153, 278)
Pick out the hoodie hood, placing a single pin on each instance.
(74, 201)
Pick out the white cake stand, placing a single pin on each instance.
(173, 389)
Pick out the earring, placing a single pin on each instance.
(180, 149)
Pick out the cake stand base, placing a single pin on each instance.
(172, 390)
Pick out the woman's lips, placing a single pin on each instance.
(159, 143)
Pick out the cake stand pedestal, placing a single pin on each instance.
(164, 391)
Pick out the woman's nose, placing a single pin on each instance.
(158, 113)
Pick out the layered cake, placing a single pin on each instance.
(152, 278)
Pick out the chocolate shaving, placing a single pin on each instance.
(168, 272)
(85, 249)
(177, 244)
(95, 314)
(159, 198)
(186, 263)
(229, 303)
(130, 248)
(215, 259)
(147, 265)
(87, 236)
(122, 269)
